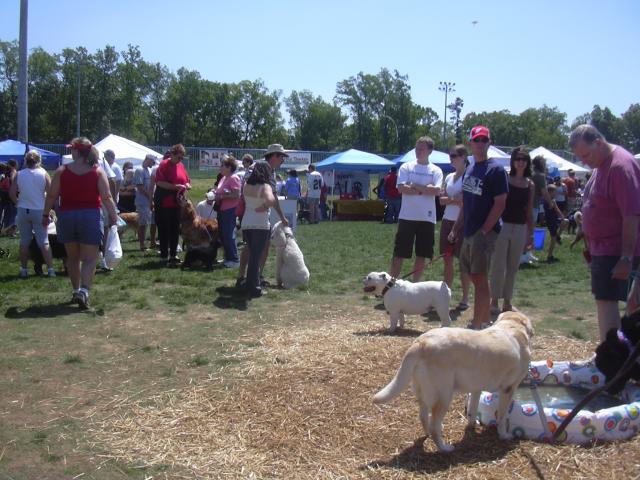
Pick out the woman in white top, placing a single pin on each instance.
(451, 197)
(258, 197)
(28, 192)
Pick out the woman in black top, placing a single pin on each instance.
(516, 233)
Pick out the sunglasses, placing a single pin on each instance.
(480, 140)
(452, 156)
(521, 159)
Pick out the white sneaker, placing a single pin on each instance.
(51, 273)
(230, 264)
(178, 249)
(24, 273)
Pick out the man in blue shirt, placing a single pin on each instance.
(484, 194)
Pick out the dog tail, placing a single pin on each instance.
(402, 379)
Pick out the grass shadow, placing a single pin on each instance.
(155, 264)
(473, 448)
(384, 332)
(231, 298)
(47, 311)
(379, 306)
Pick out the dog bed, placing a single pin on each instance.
(523, 421)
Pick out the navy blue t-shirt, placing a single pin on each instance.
(481, 183)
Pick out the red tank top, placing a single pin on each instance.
(79, 191)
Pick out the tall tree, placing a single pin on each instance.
(8, 88)
(631, 125)
(316, 124)
(456, 111)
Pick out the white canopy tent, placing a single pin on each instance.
(637, 156)
(556, 161)
(126, 150)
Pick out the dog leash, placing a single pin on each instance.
(628, 364)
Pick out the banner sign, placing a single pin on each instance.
(297, 160)
(211, 158)
(355, 183)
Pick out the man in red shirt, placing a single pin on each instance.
(393, 197)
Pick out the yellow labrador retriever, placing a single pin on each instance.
(445, 361)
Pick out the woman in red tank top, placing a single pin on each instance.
(80, 187)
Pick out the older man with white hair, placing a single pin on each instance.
(610, 221)
(144, 199)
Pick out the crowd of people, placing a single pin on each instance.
(488, 221)
(490, 216)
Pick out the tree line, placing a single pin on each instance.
(122, 93)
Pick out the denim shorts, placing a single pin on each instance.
(80, 226)
(603, 286)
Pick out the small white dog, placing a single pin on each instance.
(445, 361)
(290, 268)
(402, 297)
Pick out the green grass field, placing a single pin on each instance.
(154, 329)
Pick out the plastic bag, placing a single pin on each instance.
(113, 249)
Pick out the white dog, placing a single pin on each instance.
(402, 297)
(290, 268)
(445, 361)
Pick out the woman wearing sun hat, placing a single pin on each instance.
(81, 187)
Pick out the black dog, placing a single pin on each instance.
(616, 348)
(57, 250)
(205, 255)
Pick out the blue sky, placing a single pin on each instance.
(568, 54)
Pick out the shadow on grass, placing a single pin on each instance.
(432, 316)
(151, 264)
(48, 311)
(231, 298)
(473, 448)
(384, 332)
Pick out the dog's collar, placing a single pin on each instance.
(388, 286)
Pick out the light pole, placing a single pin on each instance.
(446, 87)
(395, 125)
(23, 61)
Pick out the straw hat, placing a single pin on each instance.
(275, 148)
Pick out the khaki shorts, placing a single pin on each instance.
(145, 217)
(476, 251)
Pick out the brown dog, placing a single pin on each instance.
(195, 231)
(131, 221)
(445, 361)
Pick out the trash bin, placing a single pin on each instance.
(538, 238)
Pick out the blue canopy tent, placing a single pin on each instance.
(354, 159)
(439, 159)
(348, 174)
(13, 149)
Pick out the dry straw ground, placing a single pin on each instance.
(301, 408)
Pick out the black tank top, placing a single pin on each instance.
(515, 211)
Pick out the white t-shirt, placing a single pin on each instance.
(206, 211)
(117, 170)
(419, 207)
(314, 184)
(31, 185)
(102, 163)
(454, 192)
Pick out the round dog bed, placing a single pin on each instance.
(523, 421)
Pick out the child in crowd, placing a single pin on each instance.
(556, 223)
(292, 186)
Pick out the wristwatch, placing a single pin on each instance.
(627, 258)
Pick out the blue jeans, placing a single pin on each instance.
(256, 241)
(227, 225)
(393, 210)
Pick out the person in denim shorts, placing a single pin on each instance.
(81, 187)
(610, 222)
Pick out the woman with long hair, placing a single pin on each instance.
(451, 198)
(81, 187)
(28, 192)
(516, 233)
(258, 197)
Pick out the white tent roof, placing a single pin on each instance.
(126, 150)
(495, 152)
(637, 156)
(557, 161)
